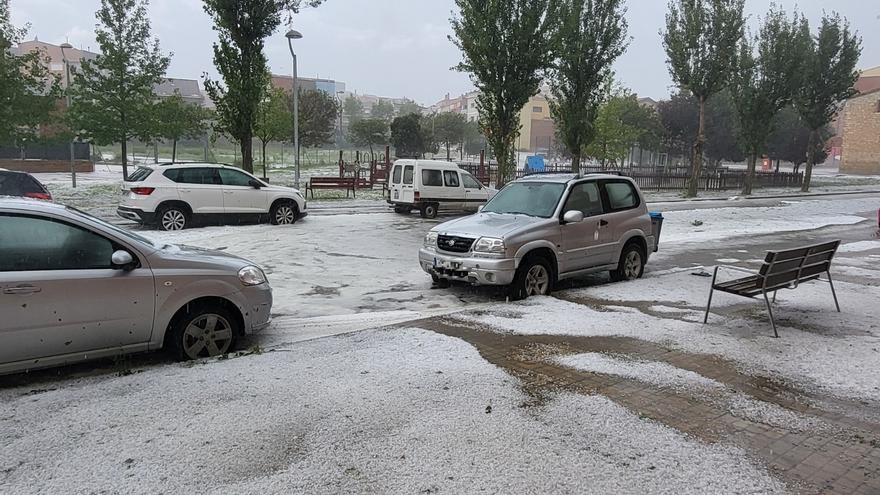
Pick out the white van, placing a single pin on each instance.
(431, 185)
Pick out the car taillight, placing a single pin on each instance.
(38, 195)
(143, 191)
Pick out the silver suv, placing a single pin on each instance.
(73, 287)
(542, 229)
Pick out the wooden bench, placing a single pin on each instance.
(781, 270)
(350, 184)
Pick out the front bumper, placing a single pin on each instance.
(136, 214)
(467, 268)
(257, 308)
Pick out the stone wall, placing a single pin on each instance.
(861, 135)
(40, 166)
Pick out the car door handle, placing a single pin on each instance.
(228, 192)
(603, 223)
(22, 289)
(185, 190)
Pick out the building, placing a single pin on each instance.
(55, 57)
(187, 88)
(329, 86)
(537, 129)
(860, 134)
(869, 80)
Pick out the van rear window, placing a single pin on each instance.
(432, 178)
(395, 177)
(408, 174)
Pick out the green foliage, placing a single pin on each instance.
(679, 117)
(112, 95)
(26, 89)
(765, 79)
(175, 119)
(353, 109)
(241, 26)
(408, 106)
(621, 124)
(367, 132)
(591, 36)
(317, 118)
(474, 141)
(701, 44)
(409, 137)
(506, 47)
(449, 129)
(721, 128)
(827, 77)
(790, 139)
(274, 120)
(382, 109)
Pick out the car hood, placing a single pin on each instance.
(487, 224)
(284, 189)
(192, 256)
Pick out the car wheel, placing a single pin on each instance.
(402, 210)
(442, 283)
(173, 218)
(533, 278)
(429, 211)
(631, 265)
(203, 331)
(283, 213)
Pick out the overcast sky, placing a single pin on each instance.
(393, 47)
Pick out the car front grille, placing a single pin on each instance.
(454, 244)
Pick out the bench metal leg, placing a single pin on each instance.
(774, 297)
(711, 291)
(831, 283)
(770, 311)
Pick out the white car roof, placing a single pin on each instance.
(167, 166)
(437, 164)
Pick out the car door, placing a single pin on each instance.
(201, 189)
(60, 293)
(453, 190)
(431, 186)
(407, 189)
(582, 242)
(621, 198)
(395, 184)
(239, 196)
(474, 192)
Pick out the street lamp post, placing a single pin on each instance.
(65, 46)
(295, 35)
(339, 95)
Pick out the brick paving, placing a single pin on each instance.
(842, 456)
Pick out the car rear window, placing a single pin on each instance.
(408, 174)
(432, 177)
(140, 174)
(395, 178)
(10, 184)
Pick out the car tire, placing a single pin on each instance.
(631, 265)
(534, 277)
(429, 210)
(402, 210)
(204, 330)
(284, 213)
(441, 282)
(171, 218)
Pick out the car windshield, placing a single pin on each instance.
(109, 226)
(536, 199)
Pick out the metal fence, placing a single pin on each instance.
(60, 151)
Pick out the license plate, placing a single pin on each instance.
(452, 265)
(396, 194)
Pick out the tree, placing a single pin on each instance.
(591, 35)
(382, 109)
(112, 94)
(474, 141)
(827, 78)
(700, 41)
(408, 106)
(764, 82)
(274, 120)
(679, 118)
(353, 109)
(27, 100)
(449, 129)
(408, 136)
(317, 118)
(242, 26)
(175, 119)
(721, 129)
(367, 132)
(506, 47)
(620, 125)
(790, 139)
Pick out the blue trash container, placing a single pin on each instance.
(656, 227)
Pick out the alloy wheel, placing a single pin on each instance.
(173, 220)
(537, 281)
(632, 265)
(208, 333)
(284, 215)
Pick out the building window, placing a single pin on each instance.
(537, 110)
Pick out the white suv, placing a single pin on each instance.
(171, 195)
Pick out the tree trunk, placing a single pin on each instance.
(777, 165)
(750, 175)
(808, 171)
(447, 151)
(247, 153)
(576, 162)
(264, 158)
(125, 159)
(698, 152)
(173, 150)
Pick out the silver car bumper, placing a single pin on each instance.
(257, 307)
(466, 268)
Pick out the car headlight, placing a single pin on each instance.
(252, 275)
(489, 245)
(431, 239)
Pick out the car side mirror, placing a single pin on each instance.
(255, 183)
(573, 216)
(122, 259)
